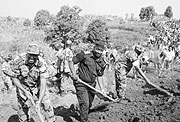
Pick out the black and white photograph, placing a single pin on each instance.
(90, 61)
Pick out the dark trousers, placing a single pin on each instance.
(85, 98)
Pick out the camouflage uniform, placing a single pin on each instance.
(122, 67)
(30, 82)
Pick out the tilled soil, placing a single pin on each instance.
(144, 103)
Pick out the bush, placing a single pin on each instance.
(27, 23)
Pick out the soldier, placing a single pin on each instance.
(123, 66)
(28, 72)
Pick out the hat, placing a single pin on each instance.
(33, 49)
(100, 44)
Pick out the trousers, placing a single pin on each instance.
(85, 98)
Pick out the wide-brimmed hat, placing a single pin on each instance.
(33, 49)
(100, 44)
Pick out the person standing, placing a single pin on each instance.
(90, 67)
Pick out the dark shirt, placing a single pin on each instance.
(89, 67)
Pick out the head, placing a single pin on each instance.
(139, 49)
(32, 53)
(170, 47)
(98, 49)
(68, 43)
(56, 47)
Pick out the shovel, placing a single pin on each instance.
(97, 92)
(38, 112)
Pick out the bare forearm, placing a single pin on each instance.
(42, 88)
(72, 68)
(100, 82)
(18, 84)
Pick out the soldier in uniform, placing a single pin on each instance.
(123, 66)
(28, 72)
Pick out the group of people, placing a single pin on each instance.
(29, 74)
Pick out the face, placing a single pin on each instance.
(98, 51)
(32, 58)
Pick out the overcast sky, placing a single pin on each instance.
(28, 8)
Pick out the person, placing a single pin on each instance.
(64, 55)
(90, 67)
(28, 72)
(123, 66)
(5, 65)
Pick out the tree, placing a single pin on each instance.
(147, 13)
(97, 31)
(27, 23)
(42, 18)
(168, 13)
(67, 25)
(142, 13)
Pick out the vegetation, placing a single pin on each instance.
(27, 23)
(41, 19)
(66, 25)
(168, 13)
(147, 13)
(97, 31)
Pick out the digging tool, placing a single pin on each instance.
(98, 92)
(149, 82)
(38, 112)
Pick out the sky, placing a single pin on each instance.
(29, 8)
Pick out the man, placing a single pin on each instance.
(90, 67)
(28, 72)
(64, 56)
(123, 67)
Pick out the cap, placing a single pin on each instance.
(33, 49)
(100, 44)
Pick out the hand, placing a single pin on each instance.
(38, 105)
(24, 74)
(136, 63)
(74, 77)
(28, 95)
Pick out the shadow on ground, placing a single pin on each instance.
(67, 113)
(14, 118)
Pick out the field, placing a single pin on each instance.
(144, 104)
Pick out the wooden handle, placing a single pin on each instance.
(149, 82)
(96, 90)
(38, 112)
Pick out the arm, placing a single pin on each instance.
(76, 59)
(18, 85)
(42, 87)
(100, 82)
(43, 76)
(72, 68)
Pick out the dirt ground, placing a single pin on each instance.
(144, 103)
